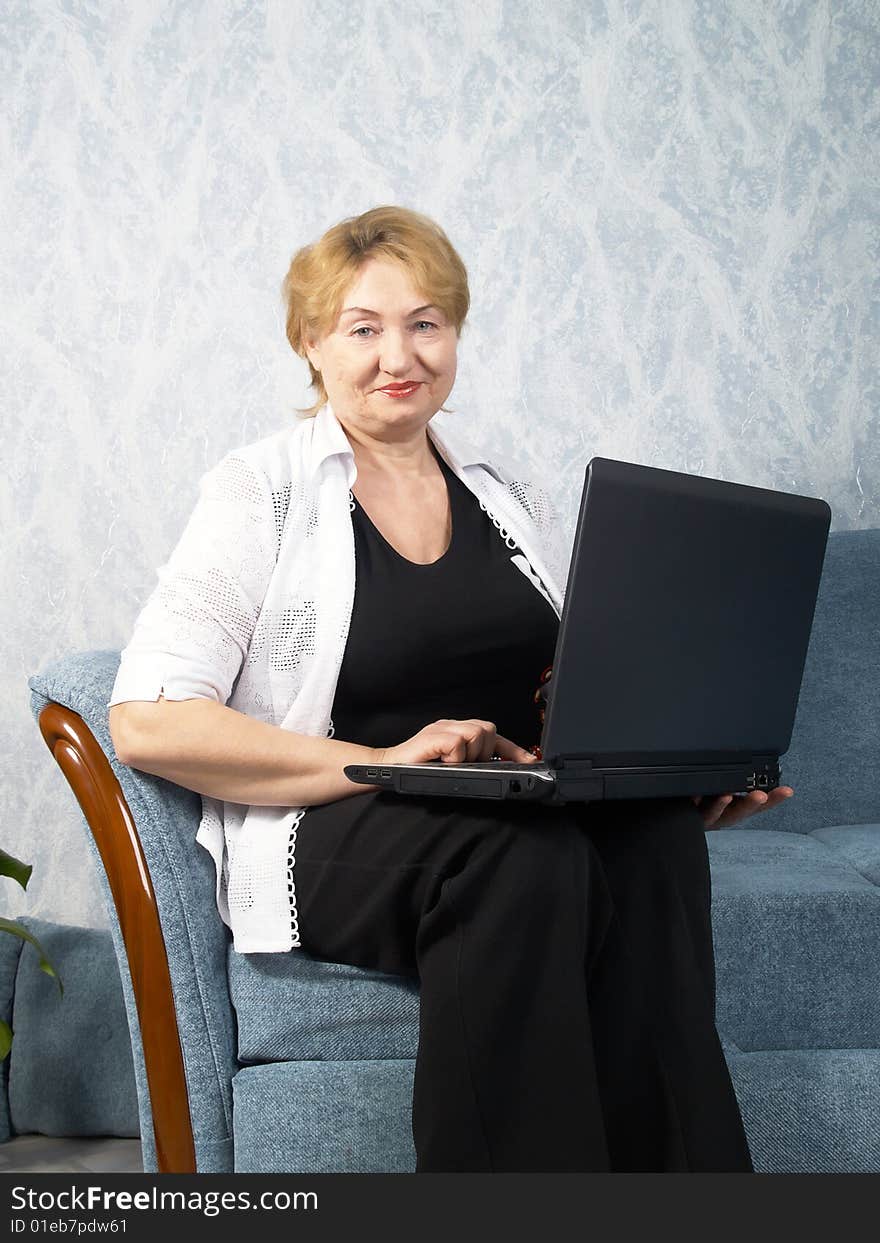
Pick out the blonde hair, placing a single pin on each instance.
(320, 274)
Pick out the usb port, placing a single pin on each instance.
(385, 772)
(372, 772)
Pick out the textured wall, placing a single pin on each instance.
(668, 211)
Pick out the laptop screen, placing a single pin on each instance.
(687, 617)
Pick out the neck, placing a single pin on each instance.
(410, 456)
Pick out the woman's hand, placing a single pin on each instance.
(454, 742)
(720, 811)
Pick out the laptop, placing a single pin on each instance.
(681, 647)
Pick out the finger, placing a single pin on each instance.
(719, 814)
(464, 744)
(453, 748)
(487, 740)
(742, 807)
(772, 798)
(509, 750)
(477, 744)
(713, 808)
(758, 800)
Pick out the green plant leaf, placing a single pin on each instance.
(8, 925)
(5, 1039)
(10, 866)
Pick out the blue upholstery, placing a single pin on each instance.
(297, 1065)
(349, 1117)
(809, 1111)
(78, 1041)
(797, 943)
(835, 745)
(293, 1006)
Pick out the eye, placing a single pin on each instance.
(367, 328)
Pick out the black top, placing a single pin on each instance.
(465, 636)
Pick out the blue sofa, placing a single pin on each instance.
(70, 1069)
(285, 1063)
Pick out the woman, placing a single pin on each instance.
(370, 588)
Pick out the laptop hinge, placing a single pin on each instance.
(577, 764)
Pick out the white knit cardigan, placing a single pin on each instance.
(252, 609)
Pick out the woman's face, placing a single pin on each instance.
(392, 338)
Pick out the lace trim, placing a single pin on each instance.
(505, 534)
(512, 544)
(291, 893)
(291, 861)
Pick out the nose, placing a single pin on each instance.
(396, 351)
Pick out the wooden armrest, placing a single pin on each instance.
(99, 794)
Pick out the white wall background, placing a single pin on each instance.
(668, 211)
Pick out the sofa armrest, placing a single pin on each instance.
(157, 822)
(154, 1020)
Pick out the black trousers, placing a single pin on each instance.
(566, 971)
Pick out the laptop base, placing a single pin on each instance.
(570, 782)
